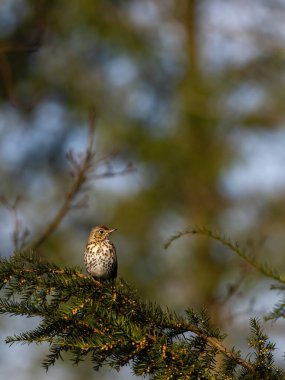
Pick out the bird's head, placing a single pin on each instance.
(100, 233)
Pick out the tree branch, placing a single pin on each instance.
(80, 178)
(263, 268)
(179, 325)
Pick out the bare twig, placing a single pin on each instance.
(81, 167)
(80, 173)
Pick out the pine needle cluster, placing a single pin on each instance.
(109, 322)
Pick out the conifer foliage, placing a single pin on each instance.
(109, 322)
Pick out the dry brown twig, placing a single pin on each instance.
(82, 168)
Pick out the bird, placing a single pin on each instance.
(100, 256)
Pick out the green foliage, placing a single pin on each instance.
(111, 323)
(263, 355)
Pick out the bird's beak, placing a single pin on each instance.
(112, 230)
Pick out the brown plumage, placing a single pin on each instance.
(100, 256)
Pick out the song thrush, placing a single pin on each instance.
(100, 256)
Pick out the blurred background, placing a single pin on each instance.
(192, 94)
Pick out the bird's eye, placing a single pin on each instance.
(101, 232)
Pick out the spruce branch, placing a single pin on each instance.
(111, 322)
(263, 268)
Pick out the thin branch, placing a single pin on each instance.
(67, 204)
(265, 269)
(81, 168)
(80, 178)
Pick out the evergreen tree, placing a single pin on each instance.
(187, 91)
(112, 324)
